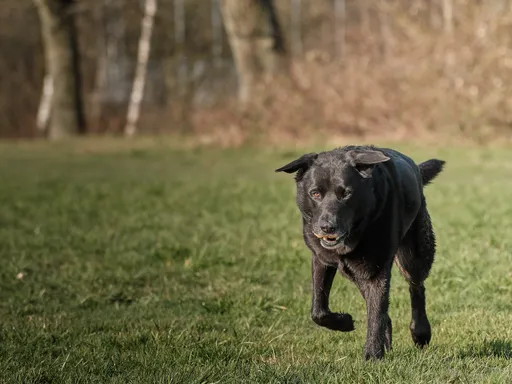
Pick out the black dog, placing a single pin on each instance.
(362, 208)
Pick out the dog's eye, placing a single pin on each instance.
(315, 194)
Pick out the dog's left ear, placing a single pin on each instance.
(364, 161)
(300, 165)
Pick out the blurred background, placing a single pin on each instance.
(225, 71)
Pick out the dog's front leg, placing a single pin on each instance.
(376, 292)
(323, 276)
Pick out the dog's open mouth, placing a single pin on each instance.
(330, 241)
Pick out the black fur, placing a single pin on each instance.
(363, 207)
(430, 169)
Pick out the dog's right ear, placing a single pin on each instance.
(300, 165)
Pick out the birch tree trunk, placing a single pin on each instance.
(45, 105)
(139, 81)
(256, 40)
(62, 65)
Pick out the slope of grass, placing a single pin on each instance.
(157, 266)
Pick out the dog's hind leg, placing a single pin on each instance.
(414, 259)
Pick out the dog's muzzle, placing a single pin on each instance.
(331, 241)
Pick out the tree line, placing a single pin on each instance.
(255, 38)
(338, 65)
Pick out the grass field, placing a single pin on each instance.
(160, 265)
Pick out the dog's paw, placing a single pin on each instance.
(342, 322)
(373, 352)
(421, 332)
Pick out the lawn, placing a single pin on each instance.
(160, 265)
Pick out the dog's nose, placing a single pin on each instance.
(327, 227)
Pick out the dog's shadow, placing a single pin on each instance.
(489, 348)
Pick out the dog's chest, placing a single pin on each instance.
(329, 258)
(353, 266)
(359, 268)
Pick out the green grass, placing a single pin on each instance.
(160, 265)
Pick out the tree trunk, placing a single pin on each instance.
(256, 40)
(139, 81)
(45, 104)
(62, 66)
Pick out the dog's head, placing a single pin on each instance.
(335, 193)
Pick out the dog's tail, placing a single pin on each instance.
(430, 169)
